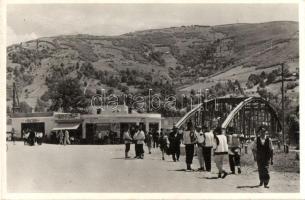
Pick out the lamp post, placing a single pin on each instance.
(206, 98)
(149, 99)
(183, 96)
(103, 94)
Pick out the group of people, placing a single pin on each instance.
(63, 137)
(210, 143)
(31, 137)
(137, 137)
(224, 145)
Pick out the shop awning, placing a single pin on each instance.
(66, 126)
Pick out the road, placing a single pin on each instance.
(102, 168)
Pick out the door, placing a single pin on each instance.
(90, 132)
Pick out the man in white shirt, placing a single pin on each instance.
(127, 140)
(139, 137)
(207, 148)
(189, 140)
(200, 144)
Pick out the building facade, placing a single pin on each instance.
(87, 128)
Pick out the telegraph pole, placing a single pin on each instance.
(283, 107)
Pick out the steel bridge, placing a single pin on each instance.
(243, 114)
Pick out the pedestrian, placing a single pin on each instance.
(220, 151)
(174, 144)
(155, 138)
(13, 135)
(263, 154)
(163, 142)
(67, 138)
(200, 144)
(139, 137)
(207, 148)
(149, 140)
(234, 150)
(39, 138)
(189, 140)
(61, 137)
(31, 138)
(25, 136)
(127, 140)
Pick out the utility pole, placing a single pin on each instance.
(283, 106)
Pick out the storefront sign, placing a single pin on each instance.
(66, 116)
(31, 120)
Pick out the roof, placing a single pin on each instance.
(20, 115)
(125, 115)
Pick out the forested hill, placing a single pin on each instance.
(173, 58)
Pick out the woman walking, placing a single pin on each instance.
(263, 153)
(220, 151)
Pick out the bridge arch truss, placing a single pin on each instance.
(243, 114)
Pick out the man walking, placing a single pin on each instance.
(200, 144)
(207, 148)
(155, 138)
(66, 138)
(174, 144)
(148, 140)
(221, 150)
(127, 140)
(13, 135)
(234, 150)
(263, 153)
(189, 140)
(139, 137)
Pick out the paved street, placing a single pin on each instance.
(93, 168)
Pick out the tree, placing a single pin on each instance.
(66, 94)
(25, 107)
(271, 77)
(254, 78)
(262, 83)
(263, 75)
(40, 106)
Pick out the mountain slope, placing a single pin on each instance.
(176, 55)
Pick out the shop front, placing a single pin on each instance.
(108, 129)
(70, 122)
(36, 122)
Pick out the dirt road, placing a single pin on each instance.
(93, 168)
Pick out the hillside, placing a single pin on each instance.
(178, 56)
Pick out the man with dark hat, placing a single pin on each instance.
(174, 144)
(263, 153)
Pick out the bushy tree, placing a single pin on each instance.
(66, 94)
(271, 77)
(25, 107)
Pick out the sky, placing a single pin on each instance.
(30, 21)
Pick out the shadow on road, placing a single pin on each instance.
(248, 186)
(178, 170)
(122, 158)
(215, 177)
